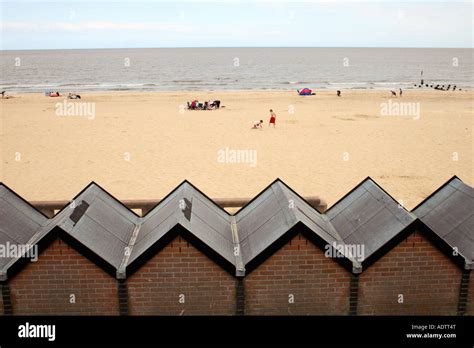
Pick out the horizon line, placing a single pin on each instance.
(225, 47)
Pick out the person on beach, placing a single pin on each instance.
(258, 125)
(394, 94)
(401, 92)
(272, 119)
(338, 93)
(73, 96)
(6, 96)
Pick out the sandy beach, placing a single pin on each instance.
(142, 145)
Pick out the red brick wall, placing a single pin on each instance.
(470, 298)
(319, 284)
(180, 268)
(45, 286)
(428, 280)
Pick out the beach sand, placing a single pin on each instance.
(142, 145)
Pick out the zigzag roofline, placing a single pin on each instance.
(368, 178)
(446, 183)
(53, 223)
(23, 200)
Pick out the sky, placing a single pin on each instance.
(30, 24)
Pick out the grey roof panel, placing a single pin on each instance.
(368, 216)
(158, 217)
(16, 225)
(200, 216)
(206, 221)
(313, 219)
(213, 217)
(272, 214)
(152, 237)
(264, 220)
(256, 213)
(372, 234)
(120, 226)
(155, 225)
(105, 227)
(264, 236)
(449, 212)
(19, 222)
(222, 245)
(100, 240)
(8, 196)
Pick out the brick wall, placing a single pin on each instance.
(45, 286)
(319, 284)
(470, 299)
(179, 268)
(428, 280)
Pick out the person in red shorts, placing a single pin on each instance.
(272, 118)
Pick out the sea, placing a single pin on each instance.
(216, 69)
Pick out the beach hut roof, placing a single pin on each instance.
(118, 240)
(99, 222)
(19, 224)
(369, 216)
(94, 222)
(449, 212)
(274, 216)
(188, 211)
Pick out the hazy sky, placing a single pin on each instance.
(229, 23)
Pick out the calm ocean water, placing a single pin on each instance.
(232, 68)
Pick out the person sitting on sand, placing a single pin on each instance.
(5, 96)
(216, 104)
(54, 94)
(338, 93)
(272, 119)
(258, 125)
(73, 96)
